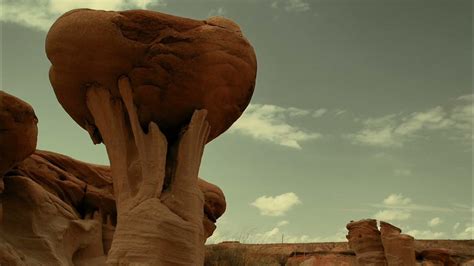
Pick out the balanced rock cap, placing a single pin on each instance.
(176, 65)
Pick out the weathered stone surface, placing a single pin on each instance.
(438, 256)
(176, 65)
(61, 211)
(214, 205)
(18, 131)
(364, 239)
(43, 228)
(60, 222)
(399, 248)
(328, 253)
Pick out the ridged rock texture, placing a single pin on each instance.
(399, 248)
(18, 131)
(364, 239)
(68, 211)
(61, 211)
(154, 88)
(438, 256)
(175, 65)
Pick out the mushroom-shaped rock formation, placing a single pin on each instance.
(18, 131)
(154, 89)
(399, 248)
(175, 65)
(364, 238)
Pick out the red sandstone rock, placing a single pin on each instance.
(399, 248)
(214, 205)
(55, 190)
(364, 239)
(175, 65)
(18, 131)
(438, 256)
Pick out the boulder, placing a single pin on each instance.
(18, 131)
(176, 65)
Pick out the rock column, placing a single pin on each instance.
(399, 248)
(365, 240)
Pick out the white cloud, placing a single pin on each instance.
(425, 234)
(293, 111)
(463, 207)
(468, 233)
(394, 208)
(402, 172)
(456, 226)
(282, 223)
(395, 130)
(270, 123)
(40, 14)
(272, 233)
(276, 206)
(434, 222)
(220, 11)
(396, 200)
(292, 5)
(297, 6)
(399, 205)
(339, 112)
(392, 215)
(320, 112)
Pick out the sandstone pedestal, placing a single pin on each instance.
(154, 88)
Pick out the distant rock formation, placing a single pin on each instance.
(328, 253)
(389, 247)
(438, 256)
(364, 238)
(399, 248)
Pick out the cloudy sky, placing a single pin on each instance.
(362, 109)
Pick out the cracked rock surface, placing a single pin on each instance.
(175, 65)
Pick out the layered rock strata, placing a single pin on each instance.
(365, 240)
(399, 248)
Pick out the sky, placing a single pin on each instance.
(362, 109)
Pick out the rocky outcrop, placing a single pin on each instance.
(176, 65)
(399, 248)
(329, 253)
(68, 211)
(154, 88)
(47, 231)
(365, 240)
(391, 247)
(18, 132)
(61, 211)
(437, 256)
